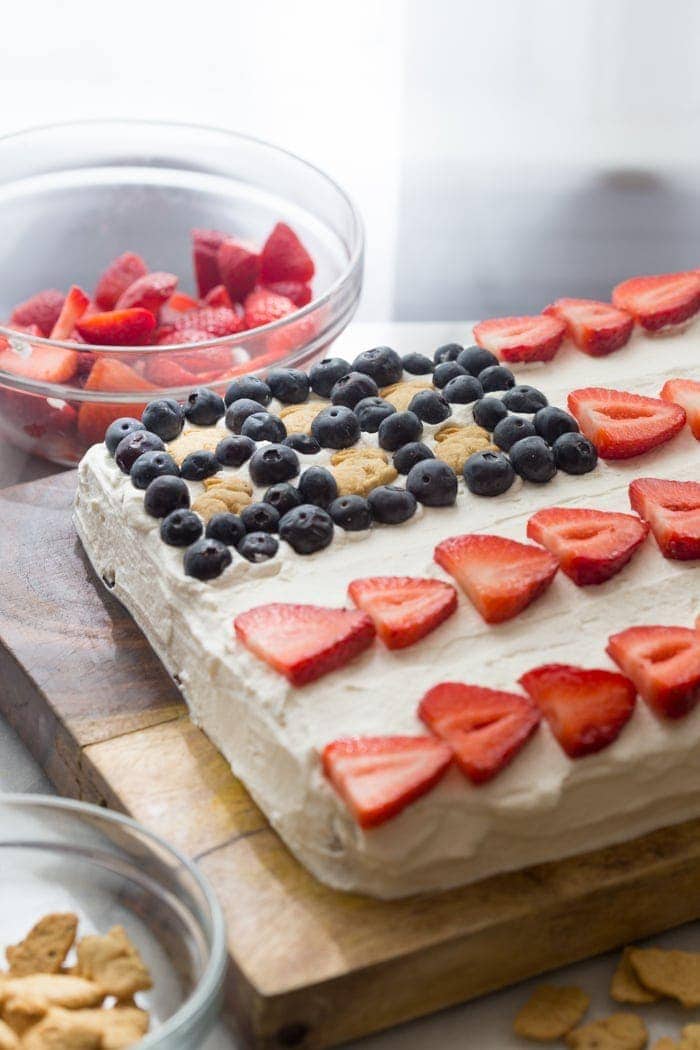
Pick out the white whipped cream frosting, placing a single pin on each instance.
(544, 805)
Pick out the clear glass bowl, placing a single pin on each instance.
(74, 196)
(58, 855)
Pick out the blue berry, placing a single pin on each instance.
(263, 426)
(430, 406)
(165, 494)
(135, 444)
(260, 517)
(574, 454)
(551, 423)
(488, 473)
(289, 385)
(462, 390)
(398, 430)
(258, 546)
(152, 465)
(206, 559)
(307, 528)
(382, 363)
(512, 429)
(523, 398)
(371, 411)
(496, 377)
(120, 429)
(239, 411)
(325, 374)
(446, 371)
(336, 427)
(417, 364)
(203, 407)
(533, 459)
(304, 444)
(180, 528)
(391, 505)
(226, 528)
(164, 417)
(273, 463)
(248, 388)
(199, 465)
(352, 388)
(488, 413)
(475, 359)
(234, 450)
(433, 483)
(447, 352)
(408, 455)
(282, 497)
(318, 486)
(351, 513)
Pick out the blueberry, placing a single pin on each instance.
(258, 546)
(446, 371)
(433, 482)
(152, 465)
(260, 517)
(248, 388)
(164, 417)
(398, 430)
(512, 429)
(408, 455)
(430, 406)
(199, 465)
(318, 486)
(234, 450)
(206, 559)
(180, 528)
(371, 411)
(382, 363)
(273, 463)
(289, 385)
(336, 427)
(391, 505)
(417, 364)
(307, 528)
(352, 388)
(475, 359)
(282, 497)
(574, 454)
(462, 390)
(120, 429)
(351, 513)
(488, 473)
(165, 494)
(239, 411)
(488, 412)
(203, 407)
(533, 459)
(524, 398)
(226, 528)
(325, 374)
(447, 352)
(551, 423)
(496, 377)
(305, 444)
(134, 445)
(263, 426)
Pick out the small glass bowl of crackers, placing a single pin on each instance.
(109, 938)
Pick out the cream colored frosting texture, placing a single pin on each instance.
(544, 805)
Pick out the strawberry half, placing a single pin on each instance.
(485, 728)
(585, 709)
(149, 292)
(132, 327)
(261, 307)
(239, 268)
(46, 364)
(403, 609)
(672, 509)
(304, 642)
(663, 663)
(205, 250)
(500, 576)
(590, 545)
(180, 302)
(521, 339)
(686, 393)
(299, 292)
(218, 296)
(119, 275)
(214, 321)
(660, 301)
(378, 776)
(596, 328)
(284, 257)
(114, 377)
(622, 425)
(74, 306)
(42, 310)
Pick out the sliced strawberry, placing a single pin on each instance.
(378, 776)
(218, 296)
(521, 339)
(304, 642)
(500, 576)
(74, 306)
(403, 608)
(216, 321)
(590, 545)
(165, 372)
(284, 257)
(298, 291)
(622, 425)
(261, 307)
(663, 663)
(42, 310)
(686, 393)
(115, 280)
(660, 301)
(114, 377)
(596, 328)
(149, 292)
(181, 302)
(38, 416)
(205, 249)
(239, 267)
(586, 709)
(672, 509)
(484, 727)
(46, 364)
(169, 335)
(130, 327)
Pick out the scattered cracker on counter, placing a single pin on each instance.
(672, 973)
(618, 1032)
(626, 986)
(45, 947)
(690, 1038)
(665, 1043)
(550, 1013)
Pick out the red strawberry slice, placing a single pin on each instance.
(485, 728)
(205, 249)
(660, 301)
(42, 310)
(590, 545)
(38, 416)
(115, 377)
(586, 709)
(686, 393)
(218, 296)
(261, 307)
(304, 642)
(149, 292)
(622, 425)
(169, 373)
(520, 339)
(672, 509)
(119, 275)
(181, 302)
(216, 321)
(74, 306)
(403, 609)
(45, 364)
(596, 328)
(500, 576)
(663, 663)
(298, 291)
(378, 776)
(239, 267)
(131, 327)
(284, 257)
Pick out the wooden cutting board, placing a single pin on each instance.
(311, 967)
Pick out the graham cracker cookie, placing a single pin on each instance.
(221, 495)
(45, 947)
(9, 1040)
(550, 1013)
(617, 1032)
(195, 439)
(672, 973)
(625, 987)
(113, 963)
(401, 394)
(455, 444)
(359, 470)
(298, 418)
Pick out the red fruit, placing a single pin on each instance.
(239, 267)
(686, 393)
(218, 296)
(74, 306)
(299, 292)
(131, 327)
(586, 709)
(284, 257)
(378, 776)
(659, 301)
(596, 328)
(663, 663)
(181, 302)
(45, 364)
(304, 642)
(115, 280)
(262, 307)
(521, 338)
(149, 292)
(215, 321)
(485, 728)
(590, 545)
(672, 509)
(169, 335)
(38, 416)
(501, 577)
(42, 310)
(165, 372)
(403, 609)
(205, 248)
(622, 425)
(115, 377)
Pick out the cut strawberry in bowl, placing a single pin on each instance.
(74, 306)
(585, 709)
(622, 425)
(660, 302)
(115, 280)
(239, 268)
(110, 376)
(130, 327)
(42, 310)
(214, 321)
(205, 250)
(180, 302)
(262, 307)
(43, 364)
(591, 546)
(485, 728)
(596, 328)
(672, 509)
(298, 291)
(663, 663)
(404, 609)
(521, 339)
(149, 292)
(284, 257)
(686, 393)
(218, 296)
